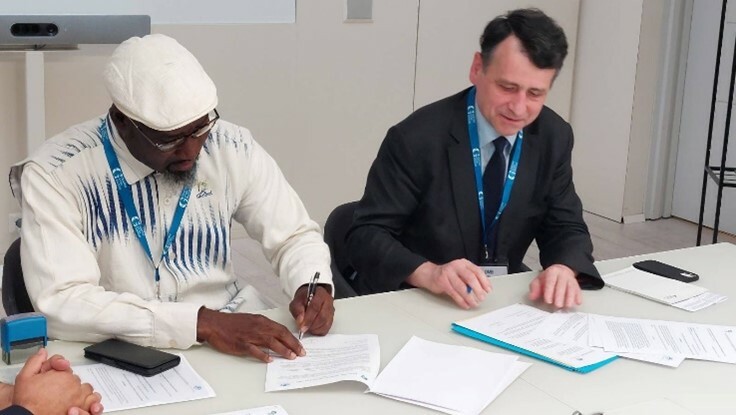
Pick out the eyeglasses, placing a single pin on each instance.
(176, 142)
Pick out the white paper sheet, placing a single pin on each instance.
(517, 369)
(447, 378)
(664, 359)
(573, 327)
(264, 410)
(565, 326)
(121, 389)
(700, 302)
(653, 287)
(329, 359)
(691, 340)
(517, 325)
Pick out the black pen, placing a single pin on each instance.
(311, 288)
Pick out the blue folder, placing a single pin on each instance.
(482, 337)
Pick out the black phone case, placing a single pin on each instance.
(142, 360)
(665, 270)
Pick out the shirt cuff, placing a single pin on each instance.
(175, 325)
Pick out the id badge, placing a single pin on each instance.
(494, 270)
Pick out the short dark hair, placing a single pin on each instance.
(543, 39)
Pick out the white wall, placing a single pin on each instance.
(319, 94)
(602, 101)
(649, 70)
(165, 11)
(12, 120)
(445, 52)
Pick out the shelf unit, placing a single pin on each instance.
(723, 176)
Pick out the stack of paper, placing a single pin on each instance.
(678, 340)
(682, 295)
(662, 342)
(518, 328)
(574, 328)
(449, 379)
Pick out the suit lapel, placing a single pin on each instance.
(462, 181)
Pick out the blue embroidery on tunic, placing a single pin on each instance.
(201, 244)
(111, 209)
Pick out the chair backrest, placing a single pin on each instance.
(336, 228)
(15, 296)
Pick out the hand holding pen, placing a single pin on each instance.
(312, 307)
(311, 288)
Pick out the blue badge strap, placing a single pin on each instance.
(478, 168)
(126, 196)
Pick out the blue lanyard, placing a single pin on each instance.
(126, 196)
(478, 167)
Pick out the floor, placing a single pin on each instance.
(610, 240)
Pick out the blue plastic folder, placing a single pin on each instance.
(482, 337)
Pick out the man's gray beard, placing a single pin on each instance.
(184, 178)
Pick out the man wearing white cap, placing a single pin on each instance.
(126, 218)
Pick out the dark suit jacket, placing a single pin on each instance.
(420, 201)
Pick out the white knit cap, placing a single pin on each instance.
(156, 81)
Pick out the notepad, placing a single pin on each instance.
(514, 328)
(663, 290)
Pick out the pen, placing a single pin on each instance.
(311, 288)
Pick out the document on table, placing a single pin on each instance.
(447, 378)
(682, 295)
(329, 359)
(121, 389)
(264, 410)
(573, 327)
(701, 301)
(513, 327)
(691, 340)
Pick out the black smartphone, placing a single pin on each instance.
(142, 360)
(666, 270)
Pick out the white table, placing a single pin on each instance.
(702, 387)
(623, 382)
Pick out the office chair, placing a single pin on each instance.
(15, 296)
(336, 228)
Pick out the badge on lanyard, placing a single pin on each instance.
(478, 170)
(126, 197)
(494, 270)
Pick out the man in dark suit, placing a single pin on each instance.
(461, 187)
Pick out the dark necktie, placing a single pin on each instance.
(493, 179)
